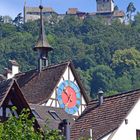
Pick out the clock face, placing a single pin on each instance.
(68, 95)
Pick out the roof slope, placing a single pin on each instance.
(4, 88)
(2, 77)
(105, 118)
(45, 118)
(38, 86)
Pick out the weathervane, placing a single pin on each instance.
(24, 2)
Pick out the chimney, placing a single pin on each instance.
(14, 69)
(100, 97)
(64, 126)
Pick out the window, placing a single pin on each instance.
(8, 112)
(36, 114)
(54, 115)
(1, 111)
(138, 134)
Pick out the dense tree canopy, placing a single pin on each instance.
(106, 56)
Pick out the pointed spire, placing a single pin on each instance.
(24, 3)
(42, 41)
(42, 45)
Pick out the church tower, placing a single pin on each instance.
(42, 45)
(105, 6)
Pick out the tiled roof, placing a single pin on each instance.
(44, 116)
(4, 88)
(72, 11)
(38, 86)
(106, 118)
(2, 77)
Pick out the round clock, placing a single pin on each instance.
(68, 95)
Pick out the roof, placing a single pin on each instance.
(2, 77)
(44, 116)
(14, 62)
(118, 14)
(38, 86)
(5, 86)
(72, 11)
(36, 9)
(106, 118)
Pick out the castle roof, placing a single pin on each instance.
(36, 9)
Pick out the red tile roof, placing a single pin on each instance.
(105, 118)
(119, 14)
(72, 11)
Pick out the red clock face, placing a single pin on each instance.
(69, 97)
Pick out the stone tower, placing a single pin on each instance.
(105, 6)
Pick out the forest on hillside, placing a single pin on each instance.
(106, 56)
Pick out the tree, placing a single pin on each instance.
(18, 20)
(21, 128)
(102, 77)
(116, 8)
(130, 9)
(125, 60)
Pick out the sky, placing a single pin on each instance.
(14, 7)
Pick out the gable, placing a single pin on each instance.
(67, 76)
(37, 86)
(129, 125)
(11, 95)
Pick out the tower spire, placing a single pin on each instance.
(42, 45)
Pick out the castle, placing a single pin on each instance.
(105, 8)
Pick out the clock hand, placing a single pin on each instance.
(69, 100)
(65, 92)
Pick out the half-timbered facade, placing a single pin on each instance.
(43, 87)
(11, 95)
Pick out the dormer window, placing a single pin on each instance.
(36, 114)
(54, 115)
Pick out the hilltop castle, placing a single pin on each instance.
(105, 8)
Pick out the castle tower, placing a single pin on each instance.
(105, 6)
(42, 45)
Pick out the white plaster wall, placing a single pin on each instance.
(112, 6)
(9, 76)
(15, 70)
(128, 131)
(65, 76)
(106, 137)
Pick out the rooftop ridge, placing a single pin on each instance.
(127, 93)
(49, 67)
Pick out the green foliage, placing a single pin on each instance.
(52, 135)
(19, 128)
(105, 55)
(22, 128)
(125, 60)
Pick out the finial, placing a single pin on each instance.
(24, 3)
(42, 45)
